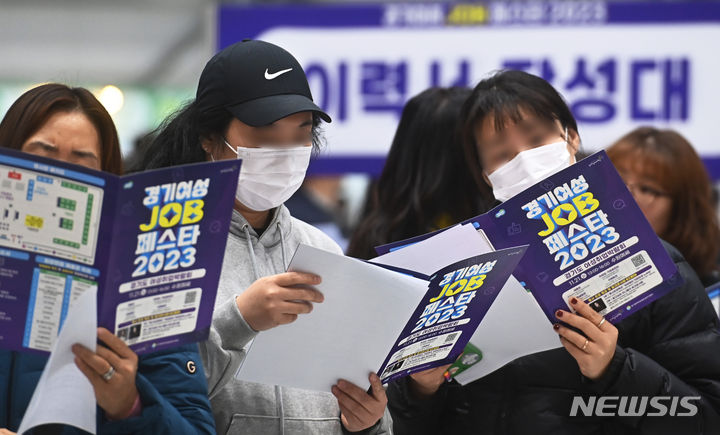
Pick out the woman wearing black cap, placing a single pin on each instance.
(253, 102)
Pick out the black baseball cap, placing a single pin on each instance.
(258, 82)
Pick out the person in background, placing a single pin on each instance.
(670, 184)
(253, 102)
(425, 184)
(318, 203)
(156, 393)
(517, 131)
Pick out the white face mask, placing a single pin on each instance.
(528, 168)
(269, 176)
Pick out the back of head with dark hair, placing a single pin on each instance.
(425, 183)
(505, 96)
(33, 108)
(178, 140)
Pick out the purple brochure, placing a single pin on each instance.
(587, 238)
(151, 243)
(458, 297)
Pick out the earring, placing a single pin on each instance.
(208, 152)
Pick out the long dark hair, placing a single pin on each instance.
(178, 140)
(669, 159)
(33, 108)
(425, 183)
(503, 96)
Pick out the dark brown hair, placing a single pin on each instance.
(425, 184)
(504, 96)
(667, 157)
(33, 108)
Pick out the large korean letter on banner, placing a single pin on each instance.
(620, 65)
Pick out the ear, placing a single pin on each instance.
(486, 178)
(207, 146)
(573, 142)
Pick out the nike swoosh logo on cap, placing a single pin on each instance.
(269, 76)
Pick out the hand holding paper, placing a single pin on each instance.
(359, 409)
(117, 394)
(272, 301)
(427, 382)
(593, 351)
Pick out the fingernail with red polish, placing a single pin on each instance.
(556, 326)
(573, 301)
(558, 313)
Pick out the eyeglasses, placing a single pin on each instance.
(644, 194)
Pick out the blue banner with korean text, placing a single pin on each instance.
(619, 65)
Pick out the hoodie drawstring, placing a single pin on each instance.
(282, 246)
(251, 251)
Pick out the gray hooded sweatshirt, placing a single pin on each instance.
(249, 408)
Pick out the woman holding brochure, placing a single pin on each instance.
(162, 392)
(253, 102)
(518, 131)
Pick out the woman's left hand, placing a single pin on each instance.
(594, 353)
(116, 392)
(358, 409)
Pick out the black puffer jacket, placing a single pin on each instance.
(670, 348)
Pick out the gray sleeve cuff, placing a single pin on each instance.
(234, 331)
(224, 351)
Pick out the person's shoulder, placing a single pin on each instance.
(673, 252)
(314, 237)
(183, 353)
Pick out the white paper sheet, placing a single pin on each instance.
(514, 326)
(445, 248)
(347, 336)
(64, 395)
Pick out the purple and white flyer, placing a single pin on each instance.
(586, 237)
(151, 243)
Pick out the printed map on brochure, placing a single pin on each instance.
(151, 244)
